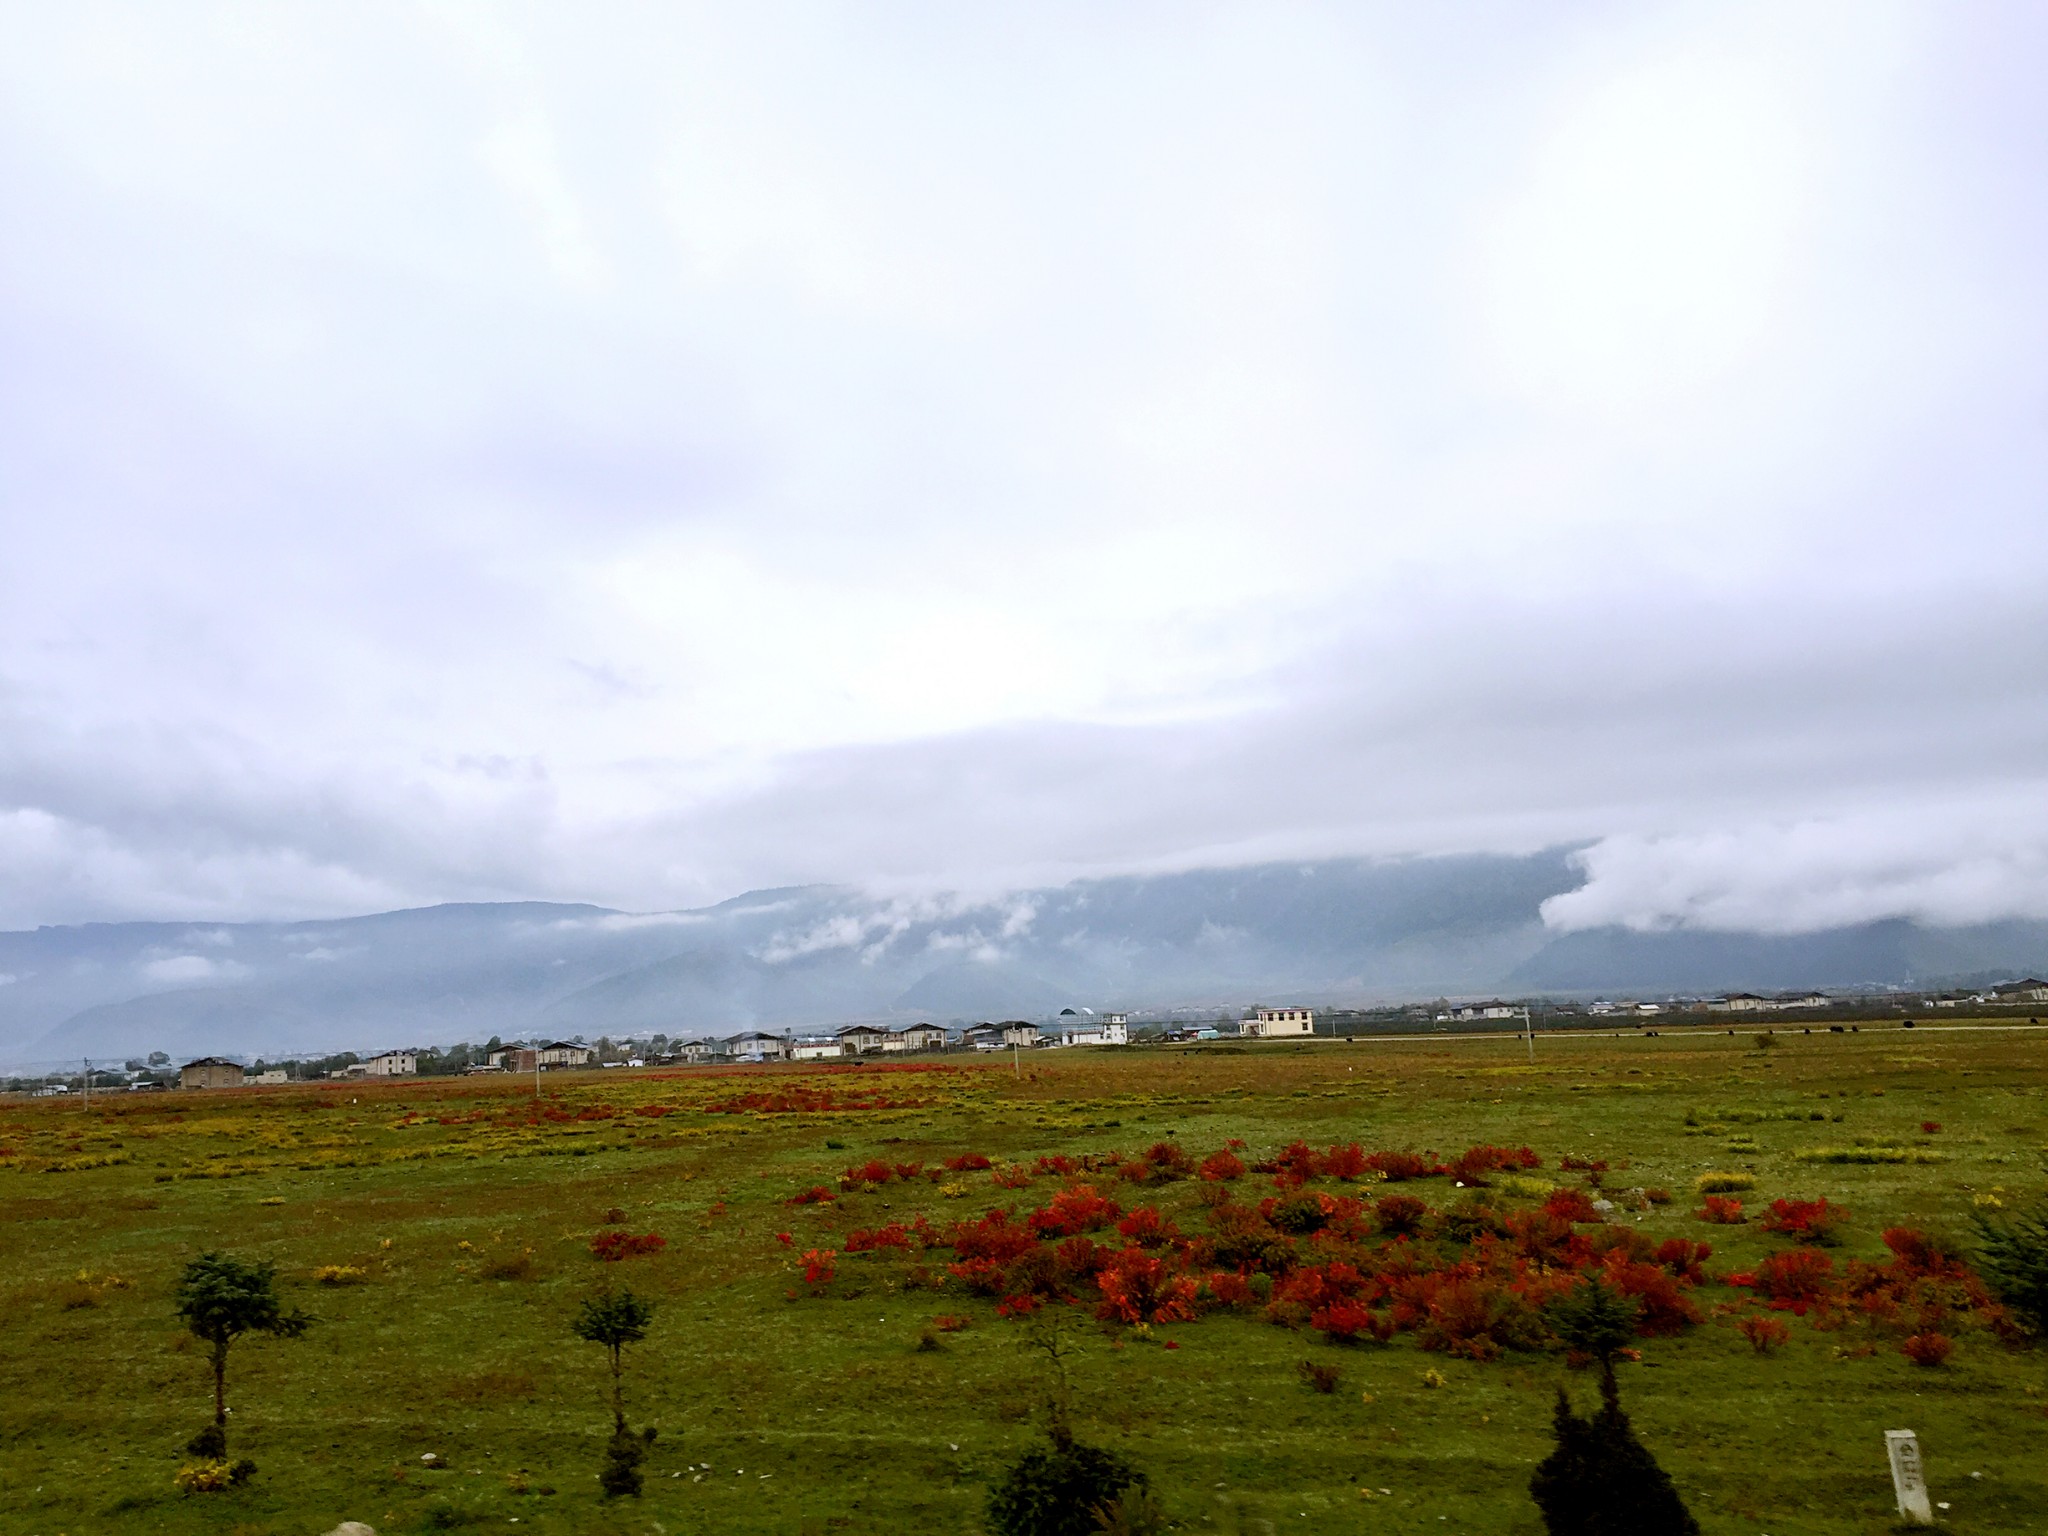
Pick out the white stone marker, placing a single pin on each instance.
(1908, 1482)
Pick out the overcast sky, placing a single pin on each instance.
(641, 454)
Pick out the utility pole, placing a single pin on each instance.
(85, 1083)
(1529, 1024)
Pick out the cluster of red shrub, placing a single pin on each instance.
(800, 1100)
(1722, 1211)
(1472, 1279)
(1810, 1221)
(1298, 1162)
(1923, 1288)
(614, 1246)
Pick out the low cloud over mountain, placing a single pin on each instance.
(1332, 932)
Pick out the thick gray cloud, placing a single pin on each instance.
(640, 454)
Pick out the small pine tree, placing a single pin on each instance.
(2012, 1256)
(221, 1298)
(1065, 1488)
(616, 1319)
(1594, 1319)
(1058, 1490)
(1601, 1480)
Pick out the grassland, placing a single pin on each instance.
(467, 1210)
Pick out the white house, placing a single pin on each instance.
(920, 1037)
(813, 1048)
(860, 1039)
(755, 1045)
(392, 1064)
(1278, 1023)
(1493, 1008)
(2028, 991)
(1105, 1031)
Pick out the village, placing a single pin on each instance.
(1074, 1028)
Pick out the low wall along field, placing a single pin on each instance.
(1304, 1286)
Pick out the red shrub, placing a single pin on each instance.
(1919, 1256)
(1928, 1348)
(1666, 1310)
(1064, 1167)
(1399, 1215)
(1541, 1238)
(1165, 1161)
(1930, 1127)
(817, 1194)
(1764, 1333)
(1396, 1167)
(1136, 1288)
(967, 1162)
(983, 1276)
(1345, 1162)
(1015, 1177)
(1584, 1165)
(1684, 1258)
(1145, 1227)
(1293, 1167)
(818, 1266)
(1797, 1280)
(947, 1322)
(1222, 1166)
(993, 1238)
(1231, 1290)
(909, 1171)
(1474, 1163)
(1809, 1221)
(1343, 1321)
(1074, 1210)
(1473, 1316)
(863, 1240)
(1080, 1259)
(614, 1246)
(869, 1175)
(1571, 1205)
(1722, 1211)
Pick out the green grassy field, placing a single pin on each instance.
(782, 1410)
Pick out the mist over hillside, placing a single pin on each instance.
(1341, 931)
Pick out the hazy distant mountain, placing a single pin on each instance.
(1339, 931)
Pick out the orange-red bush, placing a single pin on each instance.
(614, 1246)
(1137, 1288)
(1809, 1221)
(1928, 1348)
(1074, 1210)
(1570, 1205)
(1764, 1333)
(1222, 1167)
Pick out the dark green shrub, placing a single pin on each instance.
(620, 1476)
(1058, 1489)
(210, 1444)
(2012, 1256)
(1601, 1481)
